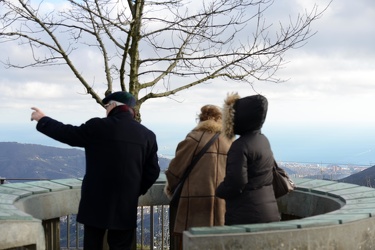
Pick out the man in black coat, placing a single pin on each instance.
(121, 165)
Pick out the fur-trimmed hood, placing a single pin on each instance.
(209, 126)
(241, 115)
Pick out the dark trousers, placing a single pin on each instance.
(117, 239)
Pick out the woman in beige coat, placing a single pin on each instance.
(198, 205)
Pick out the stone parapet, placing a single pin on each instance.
(333, 216)
(24, 206)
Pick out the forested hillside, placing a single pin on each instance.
(32, 161)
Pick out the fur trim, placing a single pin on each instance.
(228, 115)
(210, 126)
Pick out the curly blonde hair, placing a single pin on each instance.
(210, 112)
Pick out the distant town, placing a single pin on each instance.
(329, 171)
(313, 170)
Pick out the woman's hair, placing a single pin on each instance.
(210, 112)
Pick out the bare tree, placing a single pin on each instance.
(153, 48)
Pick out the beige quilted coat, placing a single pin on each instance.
(198, 205)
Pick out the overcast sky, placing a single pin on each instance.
(327, 100)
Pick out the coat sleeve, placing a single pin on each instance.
(72, 135)
(151, 169)
(236, 172)
(184, 154)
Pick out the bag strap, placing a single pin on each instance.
(193, 162)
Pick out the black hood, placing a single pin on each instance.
(244, 114)
(249, 113)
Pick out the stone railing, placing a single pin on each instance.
(333, 216)
(30, 212)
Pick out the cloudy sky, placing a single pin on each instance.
(322, 113)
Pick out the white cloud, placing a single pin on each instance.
(330, 79)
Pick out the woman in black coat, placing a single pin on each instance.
(247, 187)
(121, 165)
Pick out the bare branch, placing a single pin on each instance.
(155, 49)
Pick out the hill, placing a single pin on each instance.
(363, 178)
(32, 161)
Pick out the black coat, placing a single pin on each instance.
(247, 186)
(121, 164)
